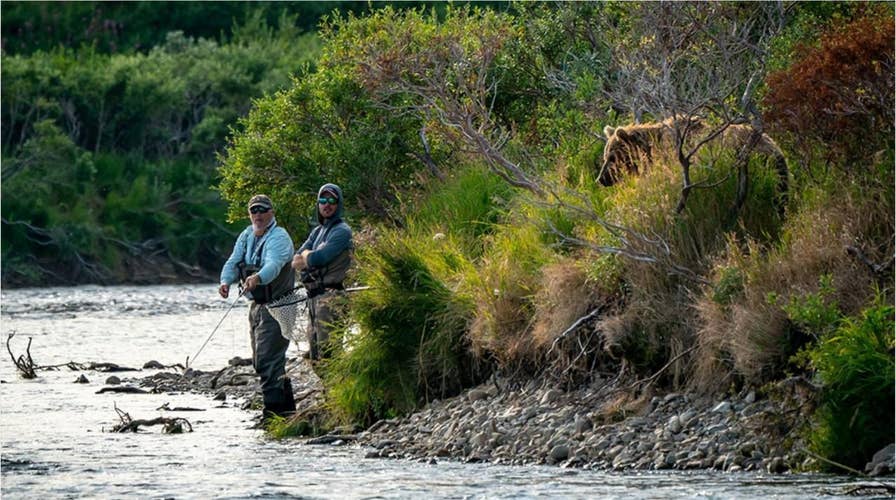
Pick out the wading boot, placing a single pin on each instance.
(289, 401)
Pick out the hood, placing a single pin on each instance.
(336, 189)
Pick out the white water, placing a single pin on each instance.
(56, 444)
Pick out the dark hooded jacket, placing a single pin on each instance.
(330, 244)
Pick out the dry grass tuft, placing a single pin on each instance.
(565, 297)
(744, 332)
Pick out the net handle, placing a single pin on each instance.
(303, 299)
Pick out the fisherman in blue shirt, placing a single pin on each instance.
(261, 263)
(323, 261)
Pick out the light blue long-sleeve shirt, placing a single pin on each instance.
(276, 251)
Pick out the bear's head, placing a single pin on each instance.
(625, 147)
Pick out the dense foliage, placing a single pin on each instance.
(838, 90)
(853, 357)
(109, 160)
(115, 26)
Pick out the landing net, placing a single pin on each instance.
(286, 310)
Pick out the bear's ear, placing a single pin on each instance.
(623, 135)
(608, 131)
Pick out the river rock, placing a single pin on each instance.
(559, 453)
(723, 407)
(687, 417)
(82, 379)
(674, 424)
(776, 465)
(539, 424)
(153, 365)
(238, 361)
(550, 396)
(113, 380)
(477, 394)
(882, 463)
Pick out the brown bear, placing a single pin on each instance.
(629, 145)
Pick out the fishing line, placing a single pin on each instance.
(237, 299)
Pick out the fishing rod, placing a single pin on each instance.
(237, 299)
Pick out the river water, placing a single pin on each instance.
(56, 441)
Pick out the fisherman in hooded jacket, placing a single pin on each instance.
(323, 261)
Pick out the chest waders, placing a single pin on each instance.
(268, 343)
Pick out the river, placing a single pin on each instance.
(56, 441)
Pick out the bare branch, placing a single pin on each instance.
(23, 363)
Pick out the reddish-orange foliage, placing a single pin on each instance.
(841, 92)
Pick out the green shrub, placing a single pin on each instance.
(817, 313)
(730, 284)
(409, 345)
(856, 367)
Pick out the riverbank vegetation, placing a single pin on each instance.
(469, 142)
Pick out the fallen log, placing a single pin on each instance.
(123, 389)
(92, 366)
(332, 438)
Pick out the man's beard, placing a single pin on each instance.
(259, 228)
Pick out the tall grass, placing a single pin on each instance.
(745, 334)
(411, 343)
(409, 347)
(505, 286)
(465, 208)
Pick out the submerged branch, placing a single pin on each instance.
(23, 363)
(174, 425)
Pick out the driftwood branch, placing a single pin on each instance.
(23, 363)
(125, 389)
(92, 366)
(175, 425)
(834, 463)
(574, 326)
(651, 379)
(166, 407)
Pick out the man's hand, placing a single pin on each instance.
(251, 282)
(298, 262)
(224, 290)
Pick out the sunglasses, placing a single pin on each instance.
(328, 199)
(258, 209)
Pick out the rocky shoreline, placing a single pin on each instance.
(598, 428)
(601, 426)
